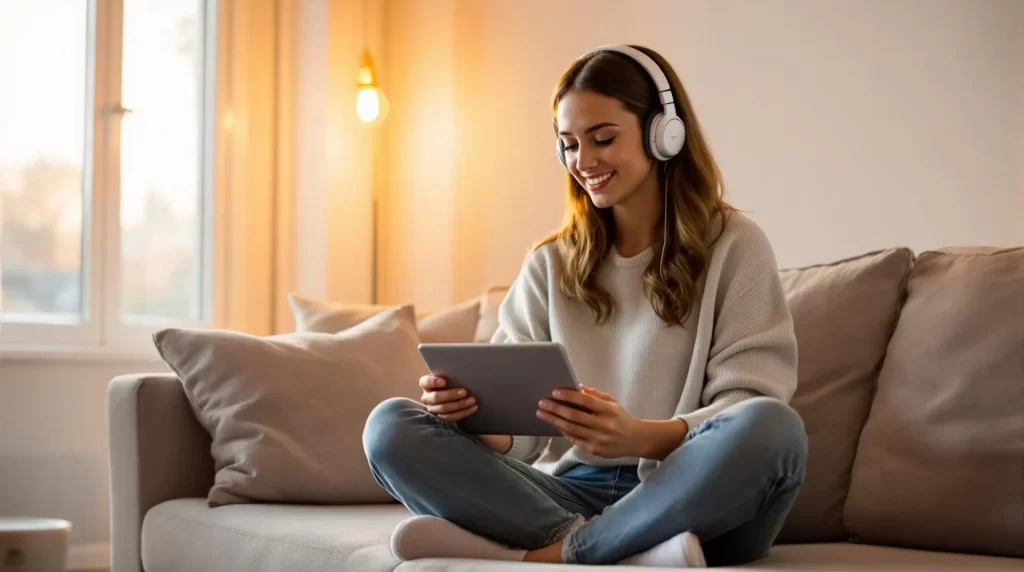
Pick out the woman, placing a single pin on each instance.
(670, 308)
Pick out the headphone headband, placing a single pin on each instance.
(653, 70)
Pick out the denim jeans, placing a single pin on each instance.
(731, 482)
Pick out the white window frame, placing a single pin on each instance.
(103, 331)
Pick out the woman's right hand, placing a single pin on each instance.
(452, 405)
(455, 405)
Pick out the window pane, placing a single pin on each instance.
(161, 230)
(43, 62)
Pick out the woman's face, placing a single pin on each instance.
(604, 148)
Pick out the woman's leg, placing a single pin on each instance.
(435, 469)
(732, 483)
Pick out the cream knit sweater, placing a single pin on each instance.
(737, 343)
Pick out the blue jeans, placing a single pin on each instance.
(731, 482)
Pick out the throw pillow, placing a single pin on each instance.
(455, 324)
(286, 412)
(940, 465)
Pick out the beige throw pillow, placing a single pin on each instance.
(940, 464)
(286, 412)
(843, 314)
(455, 324)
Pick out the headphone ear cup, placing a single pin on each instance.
(669, 136)
(650, 127)
(560, 149)
(665, 136)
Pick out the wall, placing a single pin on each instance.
(53, 414)
(53, 446)
(841, 126)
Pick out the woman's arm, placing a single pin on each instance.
(753, 348)
(523, 317)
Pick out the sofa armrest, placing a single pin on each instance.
(158, 452)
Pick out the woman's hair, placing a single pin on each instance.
(691, 179)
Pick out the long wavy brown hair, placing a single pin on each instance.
(691, 179)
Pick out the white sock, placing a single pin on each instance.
(432, 537)
(680, 551)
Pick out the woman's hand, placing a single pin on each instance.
(455, 405)
(449, 404)
(609, 431)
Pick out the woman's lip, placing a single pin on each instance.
(602, 184)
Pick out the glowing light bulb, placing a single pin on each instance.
(367, 104)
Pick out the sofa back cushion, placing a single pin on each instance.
(843, 314)
(286, 413)
(940, 464)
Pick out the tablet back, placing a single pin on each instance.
(507, 380)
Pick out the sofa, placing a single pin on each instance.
(911, 391)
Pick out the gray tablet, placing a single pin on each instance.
(507, 380)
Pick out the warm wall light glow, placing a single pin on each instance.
(371, 103)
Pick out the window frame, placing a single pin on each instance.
(103, 330)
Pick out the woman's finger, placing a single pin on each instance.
(597, 393)
(566, 426)
(584, 400)
(444, 396)
(451, 406)
(568, 413)
(459, 415)
(432, 382)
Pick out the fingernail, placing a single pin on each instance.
(558, 394)
(471, 400)
(462, 392)
(541, 404)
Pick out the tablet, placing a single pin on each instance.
(507, 380)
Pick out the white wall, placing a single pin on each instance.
(53, 446)
(841, 126)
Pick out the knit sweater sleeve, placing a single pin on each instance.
(523, 317)
(753, 346)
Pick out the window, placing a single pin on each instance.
(105, 169)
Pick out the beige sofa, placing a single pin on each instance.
(911, 388)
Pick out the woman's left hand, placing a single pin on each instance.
(608, 431)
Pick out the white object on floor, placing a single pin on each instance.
(680, 551)
(432, 537)
(37, 544)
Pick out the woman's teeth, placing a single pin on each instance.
(598, 180)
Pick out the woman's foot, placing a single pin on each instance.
(432, 537)
(680, 551)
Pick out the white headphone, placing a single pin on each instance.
(664, 133)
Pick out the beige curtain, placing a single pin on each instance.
(253, 210)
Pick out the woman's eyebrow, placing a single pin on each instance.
(592, 128)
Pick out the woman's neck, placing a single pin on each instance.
(635, 218)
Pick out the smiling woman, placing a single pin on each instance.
(687, 361)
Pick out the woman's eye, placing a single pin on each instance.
(605, 142)
(572, 147)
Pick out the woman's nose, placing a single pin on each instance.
(585, 158)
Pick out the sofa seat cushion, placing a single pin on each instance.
(186, 534)
(838, 557)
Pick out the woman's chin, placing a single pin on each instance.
(601, 200)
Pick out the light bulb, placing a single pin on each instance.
(367, 104)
